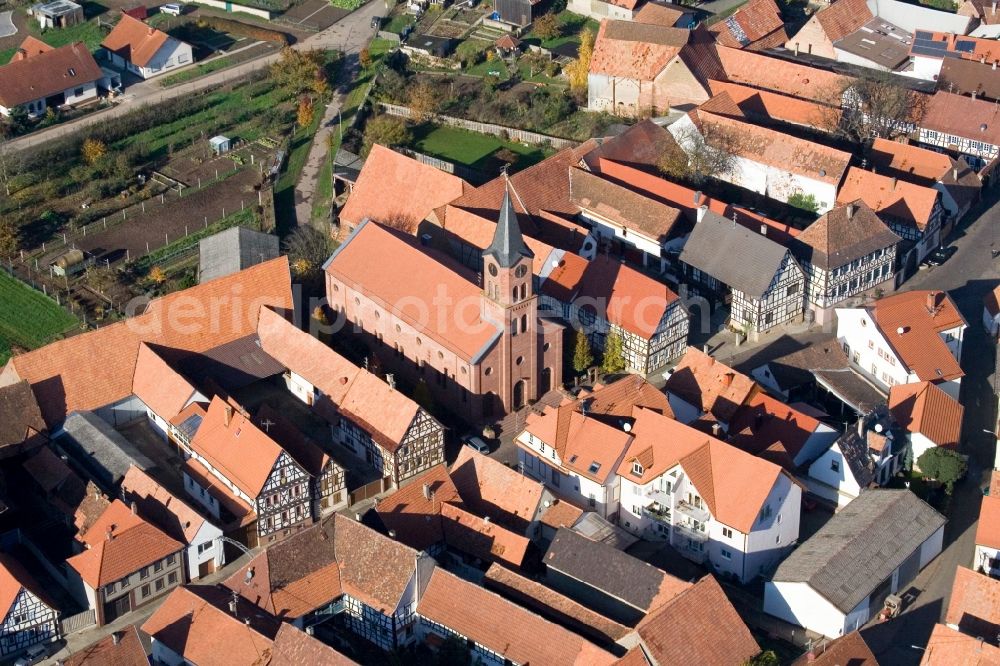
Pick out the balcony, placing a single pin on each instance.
(690, 533)
(699, 513)
(657, 512)
(659, 496)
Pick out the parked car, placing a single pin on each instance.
(33, 655)
(172, 9)
(376, 23)
(477, 443)
(940, 255)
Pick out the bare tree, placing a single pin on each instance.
(400, 221)
(699, 152)
(875, 105)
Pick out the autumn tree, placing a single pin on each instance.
(506, 156)
(305, 113)
(579, 69)
(385, 130)
(93, 150)
(547, 26)
(423, 101)
(583, 356)
(365, 58)
(699, 152)
(875, 105)
(400, 221)
(157, 275)
(614, 354)
(299, 70)
(8, 238)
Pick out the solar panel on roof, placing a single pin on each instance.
(965, 46)
(923, 34)
(190, 425)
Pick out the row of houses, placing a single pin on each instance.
(41, 77)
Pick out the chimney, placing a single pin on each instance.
(850, 211)
(427, 491)
(796, 49)
(701, 212)
(486, 519)
(727, 379)
(994, 65)
(110, 533)
(150, 31)
(954, 172)
(763, 229)
(704, 349)
(894, 180)
(135, 509)
(716, 429)
(861, 427)
(116, 637)
(974, 94)
(229, 414)
(392, 534)
(932, 300)
(21, 54)
(390, 380)
(232, 606)
(697, 198)
(994, 7)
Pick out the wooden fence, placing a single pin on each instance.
(78, 622)
(460, 170)
(513, 133)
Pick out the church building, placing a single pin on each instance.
(475, 339)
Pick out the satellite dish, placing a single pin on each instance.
(900, 330)
(878, 427)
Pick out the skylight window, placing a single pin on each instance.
(594, 467)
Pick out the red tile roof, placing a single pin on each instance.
(481, 538)
(406, 271)
(764, 104)
(415, 518)
(621, 206)
(373, 568)
(975, 604)
(552, 605)
(135, 41)
(160, 506)
(47, 73)
(589, 448)
(487, 487)
(232, 444)
(561, 514)
(772, 430)
(921, 346)
(698, 626)
(191, 625)
(925, 408)
(988, 527)
(657, 14)
(974, 119)
(386, 175)
(32, 47)
(236, 506)
(850, 650)
(843, 17)
(294, 647)
(97, 368)
(776, 149)
(757, 25)
(121, 648)
(635, 50)
(160, 387)
(710, 385)
(908, 161)
(622, 396)
(119, 544)
(907, 202)
(629, 299)
(499, 625)
(947, 647)
(777, 75)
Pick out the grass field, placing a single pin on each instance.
(571, 24)
(471, 148)
(197, 71)
(28, 318)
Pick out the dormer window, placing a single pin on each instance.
(637, 468)
(594, 467)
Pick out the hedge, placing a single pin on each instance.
(245, 30)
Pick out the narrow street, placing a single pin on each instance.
(967, 277)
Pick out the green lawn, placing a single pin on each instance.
(398, 22)
(197, 71)
(572, 25)
(28, 318)
(490, 68)
(471, 148)
(88, 32)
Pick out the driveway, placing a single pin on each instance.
(7, 27)
(343, 35)
(967, 277)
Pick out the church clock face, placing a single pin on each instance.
(493, 270)
(520, 271)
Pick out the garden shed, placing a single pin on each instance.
(219, 144)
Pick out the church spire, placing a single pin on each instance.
(508, 244)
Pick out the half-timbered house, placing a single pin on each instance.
(846, 252)
(339, 567)
(760, 277)
(30, 616)
(254, 469)
(367, 415)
